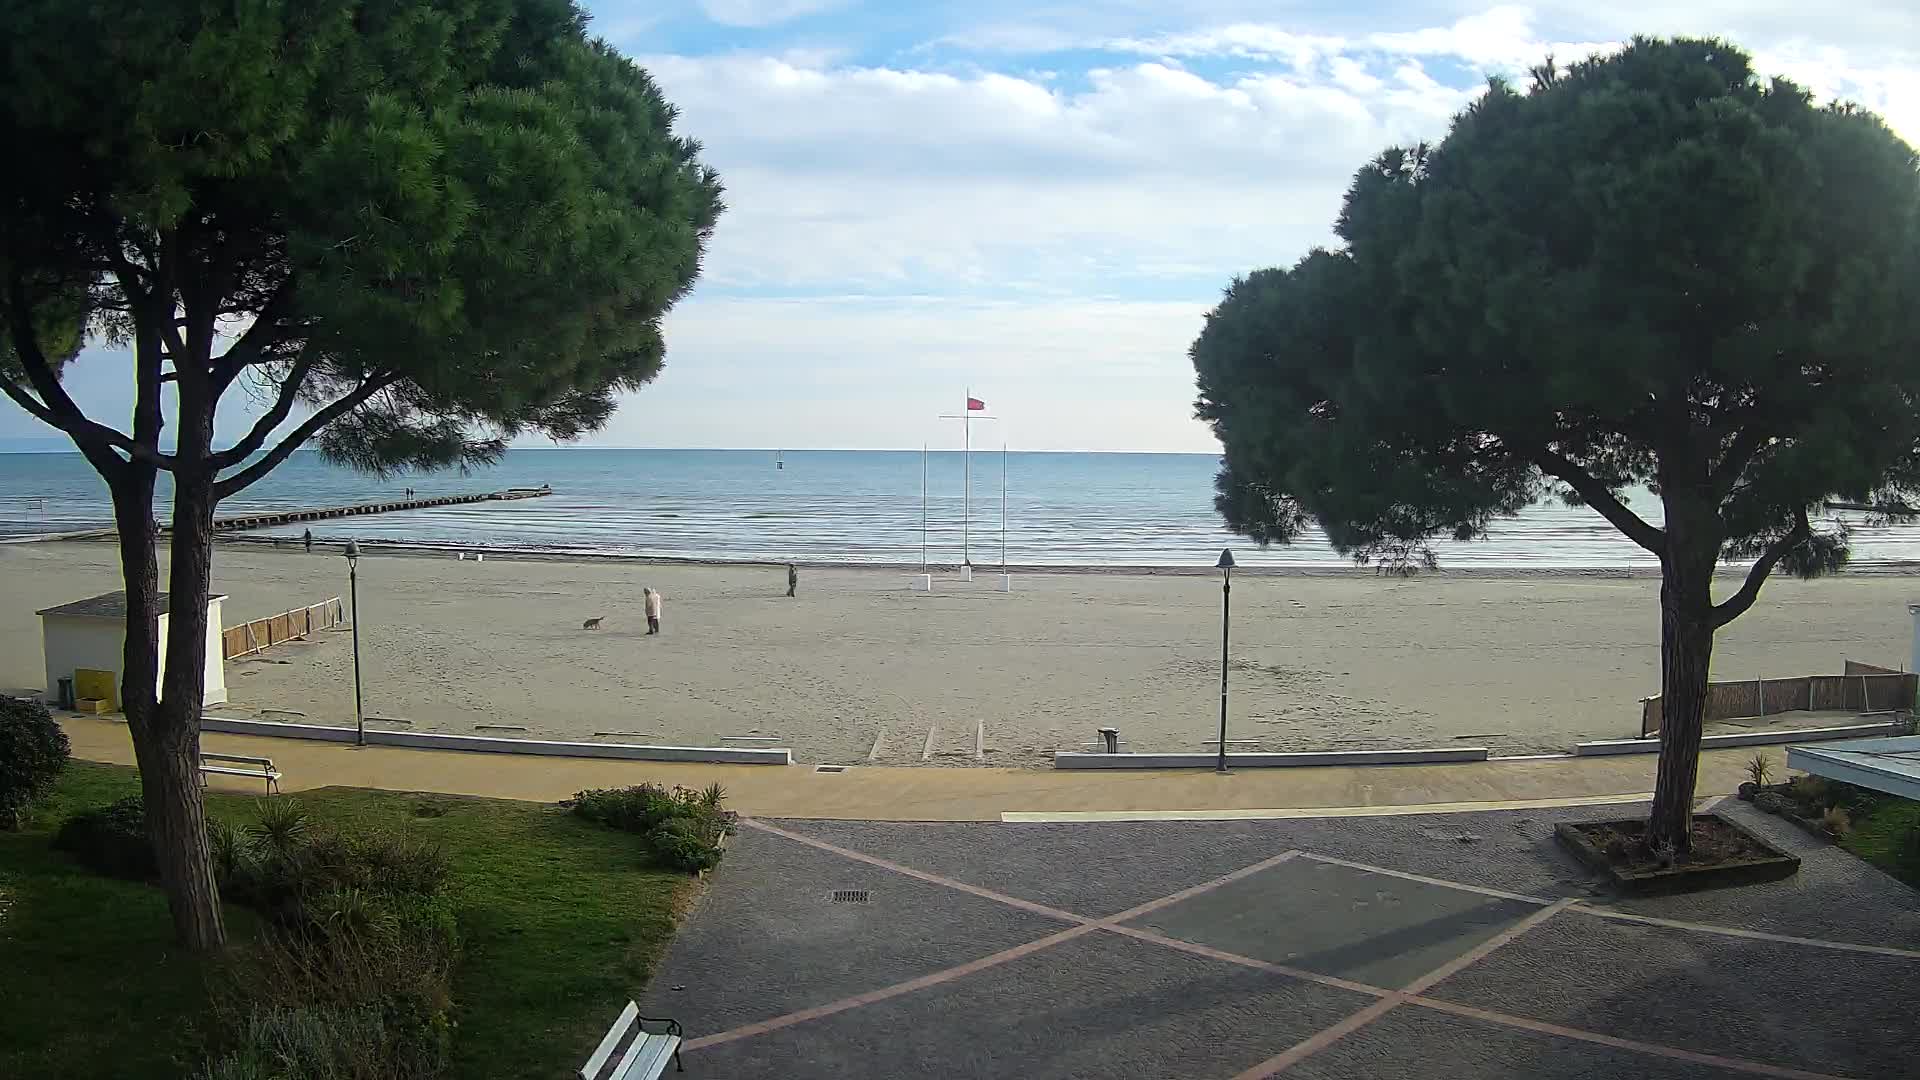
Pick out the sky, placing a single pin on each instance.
(1039, 201)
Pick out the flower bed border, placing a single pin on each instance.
(1676, 879)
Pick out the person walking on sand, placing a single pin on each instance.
(793, 578)
(653, 610)
(308, 539)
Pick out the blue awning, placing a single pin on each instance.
(1891, 765)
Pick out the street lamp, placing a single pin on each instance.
(353, 592)
(1226, 603)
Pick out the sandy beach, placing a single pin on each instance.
(859, 668)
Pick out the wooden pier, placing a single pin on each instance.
(289, 517)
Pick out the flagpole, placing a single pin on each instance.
(1003, 507)
(923, 506)
(966, 442)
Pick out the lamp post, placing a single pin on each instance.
(353, 593)
(1226, 604)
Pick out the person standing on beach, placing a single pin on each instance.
(653, 610)
(307, 538)
(793, 578)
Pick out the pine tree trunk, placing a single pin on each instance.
(166, 731)
(1686, 656)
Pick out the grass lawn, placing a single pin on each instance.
(562, 922)
(1886, 837)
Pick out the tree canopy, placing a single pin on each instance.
(1647, 269)
(407, 230)
(422, 225)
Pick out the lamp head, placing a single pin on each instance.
(353, 552)
(1226, 559)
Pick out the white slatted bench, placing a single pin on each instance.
(643, 1053)
(256, 768)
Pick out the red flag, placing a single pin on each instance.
(974, 404)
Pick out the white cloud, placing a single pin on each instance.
(764, 12)
(880, 175)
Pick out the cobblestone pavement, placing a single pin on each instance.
(1459, 945)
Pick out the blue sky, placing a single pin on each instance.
(1038, 201)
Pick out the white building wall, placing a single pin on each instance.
(72, 642)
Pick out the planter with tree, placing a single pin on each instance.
(1649, 269)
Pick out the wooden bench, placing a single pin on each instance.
(256, 768)
(643, 1053)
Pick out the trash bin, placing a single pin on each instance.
(65, 695)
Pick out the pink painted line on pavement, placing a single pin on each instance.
(897, 989)
(1480, 952)
(921, 875)
(1086, 925)
(1424, 880)
(1388, 999)
(1756, 935)
(1759, 1068)
(1326, 1037)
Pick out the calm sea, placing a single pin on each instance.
(838, 506)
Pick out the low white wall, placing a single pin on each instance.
(1065, 759)
(1757, 738)
(427, 740)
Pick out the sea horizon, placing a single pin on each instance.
(1097, 509)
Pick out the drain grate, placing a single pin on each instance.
(852, 896)
(829, 768)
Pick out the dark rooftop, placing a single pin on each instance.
(111, 605)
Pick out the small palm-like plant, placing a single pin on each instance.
(1760, 770)
(282, 827)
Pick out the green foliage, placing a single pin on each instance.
(468, 202)
(636, 809)
(324, 1043)
(33, 751)
(1651, 269)
(361, 939)
(111, 840)
(683, 827)
(421, 226)
(1760, 770)
(281, 827)
(687, 844)
(554, 915)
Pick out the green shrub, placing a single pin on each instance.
(281, 828)
(288, 865)
(637, 809)
(687, 844)
(358, 986)
(111, 840)
(33, 751)
(328, 1043)
(683, 827)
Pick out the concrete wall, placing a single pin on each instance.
(427, 740)
(1066, 759)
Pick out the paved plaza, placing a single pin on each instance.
(1456, 945)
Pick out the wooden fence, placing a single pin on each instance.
(249, 638)
(1864, 688)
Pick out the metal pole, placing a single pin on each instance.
(923, 506)
(1226, 605)
(966, 442)
(359, 717)
(1003, 508)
